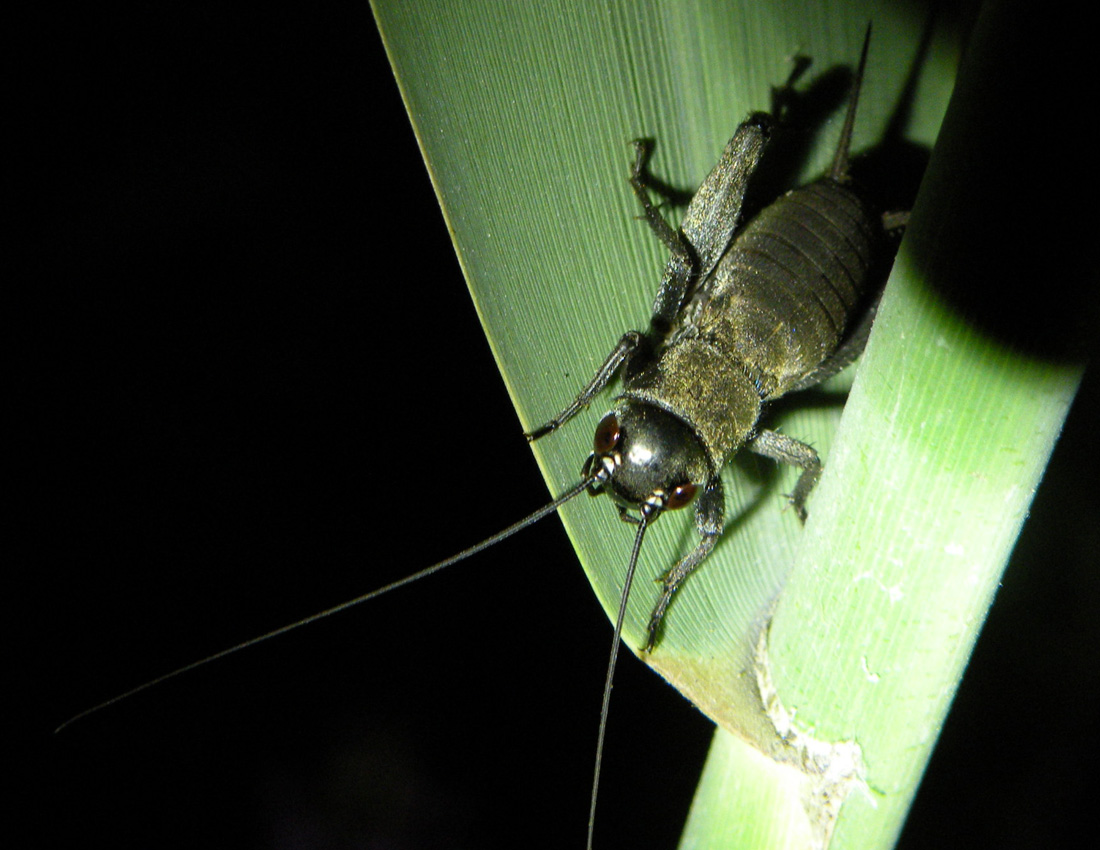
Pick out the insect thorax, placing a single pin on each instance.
(706, 388)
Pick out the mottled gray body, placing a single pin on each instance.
(746, 312)
(774, 310)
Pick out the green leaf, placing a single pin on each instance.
(525, 112)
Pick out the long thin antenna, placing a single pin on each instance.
(615, 641)
(839, 171)
(343, 606)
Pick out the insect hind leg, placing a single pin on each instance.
(683, 264)
(643, 180)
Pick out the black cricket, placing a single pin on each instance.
(745, 314)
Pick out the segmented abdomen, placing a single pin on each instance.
(787, 289)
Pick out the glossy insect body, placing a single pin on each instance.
(745, 314)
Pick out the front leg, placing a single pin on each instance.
(788, 450)
(628, 346)
(710, 512)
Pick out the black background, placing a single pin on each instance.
(254, 386)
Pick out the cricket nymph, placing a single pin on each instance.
(745, 313)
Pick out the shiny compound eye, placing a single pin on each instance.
(608, 434)
(681, 496)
